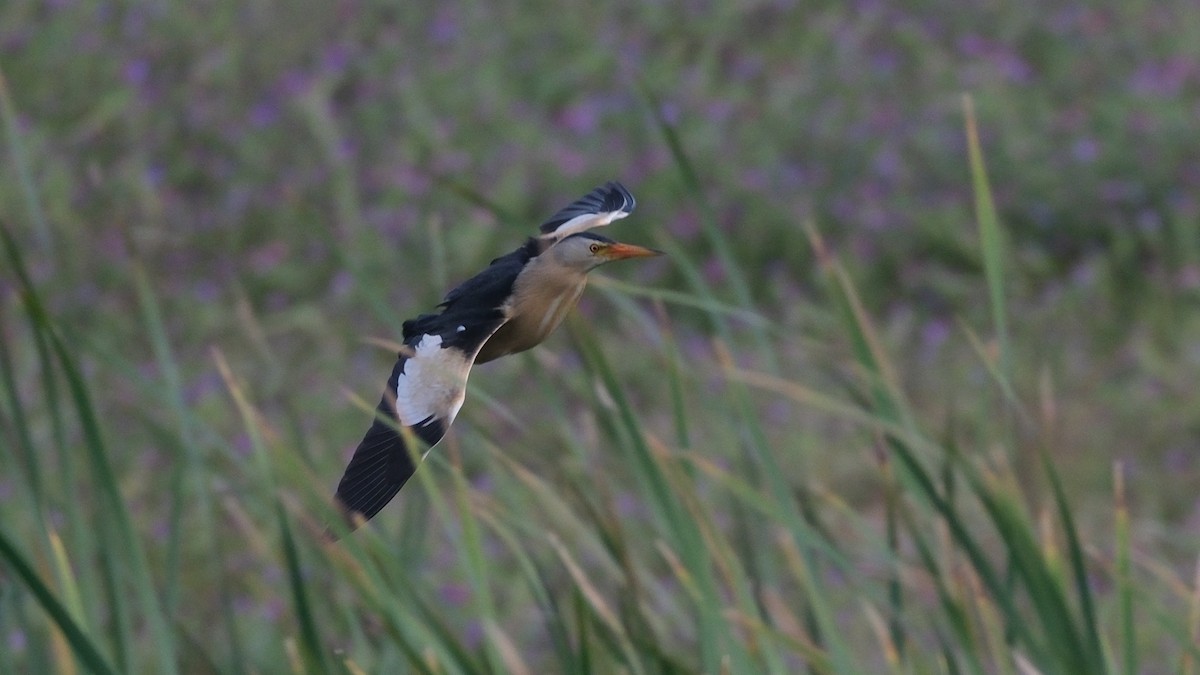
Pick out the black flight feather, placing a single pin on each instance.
(469, 315)
(381, 464)
(612, 196)
(491, 287)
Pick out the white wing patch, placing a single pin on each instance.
(434, 383)
(586, 222)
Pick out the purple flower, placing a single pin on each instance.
(718, 111)
(16, 641)
(581, 117)
(1189, 277)
(1162, 79)
(1012, 66)
(454, 593)
(713, 271)
(627, 505)
(972, 45)
(264, 114)
(685, 226)
(336, 58)
(1085, 150)
(242, 447)
(473, 635)
(571, 161)
(934, 334)
(341, 284)
(444, 27)
(155, 175)
(746, 66)
(887, 163)
(136, 73)
(885, 62)
(207, 384)
(483, 483)
(269, 255)
(346, 150)
(1179, 460)
(293, 83)
(671, 112)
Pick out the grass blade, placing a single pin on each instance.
(16, 146)
(1124, 573)
(124, 555)
(991, 238)
(310, 637)
(1092, 646)
(88, 652)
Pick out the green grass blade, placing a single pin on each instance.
(1083, 590)
(131, 556)
(1124, 574)
(666, 295)
(1066, 649)
(692, 183)
(94, 580)
(582, 621)
(452, 505)
(20, 157)
(895, 588)
(718, 242)
(789, 512)
(310, 636)
(675, 380)
(568, 658)
(15, 419)
(89, 653)
(188, 469)
(475, 561)
(120, 626)
(991, 238)
(449, 640)
(682, 533)
(961, 532)
(124, 555)
(954, 613)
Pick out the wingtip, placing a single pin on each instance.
(622, 198)
(351, 520)
(610, 198)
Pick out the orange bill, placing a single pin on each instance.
(619, 251)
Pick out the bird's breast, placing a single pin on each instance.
(536, 311)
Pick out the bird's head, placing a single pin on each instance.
(586, 250)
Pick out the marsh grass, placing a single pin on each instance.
(748, 459)
(676, 532)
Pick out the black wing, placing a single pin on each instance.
(381, 464)
(598, 207)
(423, 395)
(488, 289)
(427, 384)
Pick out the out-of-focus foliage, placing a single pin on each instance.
(267, 184)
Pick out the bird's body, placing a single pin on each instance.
(540, 300)
(509, 307)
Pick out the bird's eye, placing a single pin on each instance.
(594, 247)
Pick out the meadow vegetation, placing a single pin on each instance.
(914, 390)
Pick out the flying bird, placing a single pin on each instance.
(509, 307)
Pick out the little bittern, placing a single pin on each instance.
(510, 306)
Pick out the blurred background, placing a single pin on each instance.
(272, 184)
